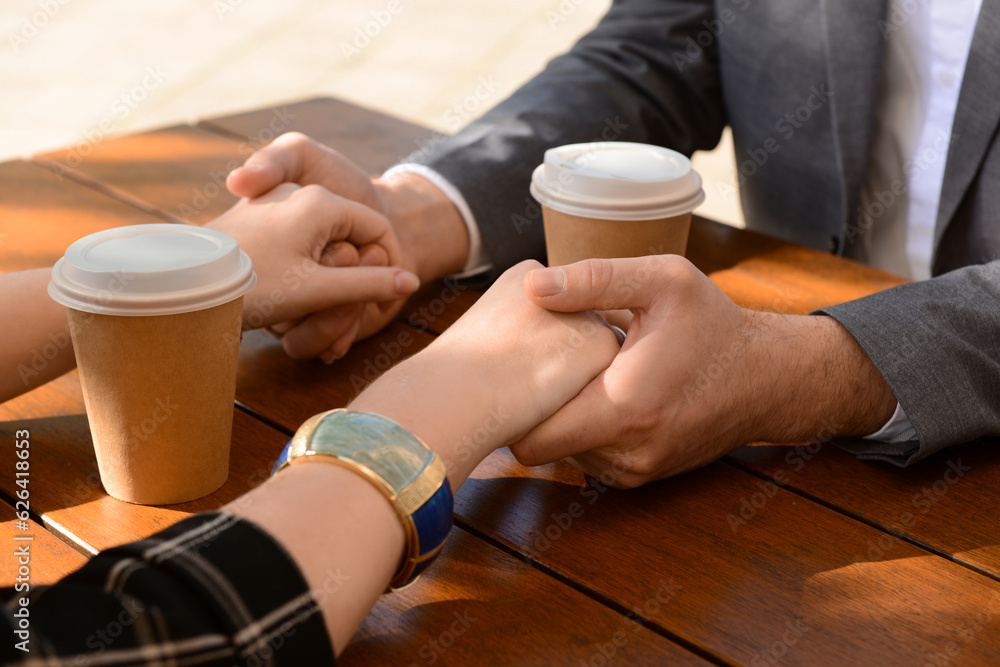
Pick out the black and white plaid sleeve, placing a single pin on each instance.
(213, 589)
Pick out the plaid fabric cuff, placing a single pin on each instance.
(213, 589)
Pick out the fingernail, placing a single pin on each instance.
(250, 166)
(547, 282)
(406, 282)
(330, 357)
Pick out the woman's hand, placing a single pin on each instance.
(504, 367)
(314, 252)
(426, 226)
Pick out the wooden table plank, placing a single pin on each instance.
(755, 270)
(67, 491)
(178, 171)
(783, 588)
(947, 502)
(41, 214)
(416, 622)
(50, 558)
(372, 139)
(522, 520)
(288, 392)
(764, 273)
(181, 171)
(812, 578)
(527, 617)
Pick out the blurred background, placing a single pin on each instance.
(81, 70)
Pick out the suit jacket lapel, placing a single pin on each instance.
(854, 45)
(976, 117)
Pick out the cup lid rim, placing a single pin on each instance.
(651, 208)
(217, 274)
(622, 181)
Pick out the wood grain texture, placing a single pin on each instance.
(42, 213)
(288, 392)
(570, 626)
(792, 580)
(51, 559)
(567, 626)
(60, 398)
(947, 501)
(764, 273)
(178, 171)
(372, 139)
(417, 623)
(67, 489)
(516, 615)
(787, 585)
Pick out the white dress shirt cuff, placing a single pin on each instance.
(476, 262)
(897, 429)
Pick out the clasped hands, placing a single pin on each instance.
(334, 273)
(697, 376)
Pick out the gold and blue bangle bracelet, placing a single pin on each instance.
(424, 503)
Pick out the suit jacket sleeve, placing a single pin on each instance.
(937, 344)
(648, 73)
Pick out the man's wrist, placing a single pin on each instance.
(430, 229)
(814, 381)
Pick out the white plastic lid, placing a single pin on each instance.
(617, 180)
(151, 270)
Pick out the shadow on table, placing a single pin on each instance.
(393, 635)
(728, 544)
(62, 466)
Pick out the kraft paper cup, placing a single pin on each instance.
(615, 199)
(155, 314)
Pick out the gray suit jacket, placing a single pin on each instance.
(797, 81)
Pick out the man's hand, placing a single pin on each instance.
(304, 243)
(431, 233)
(295, 158)
(698, 376)
(505, 366)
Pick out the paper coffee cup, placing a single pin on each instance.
(615, 199)
(155, 314)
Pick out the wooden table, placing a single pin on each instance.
(774, 555)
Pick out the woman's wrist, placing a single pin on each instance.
(341, 531)
(433, 396)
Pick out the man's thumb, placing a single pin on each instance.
(598, 284)
(254, 179)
